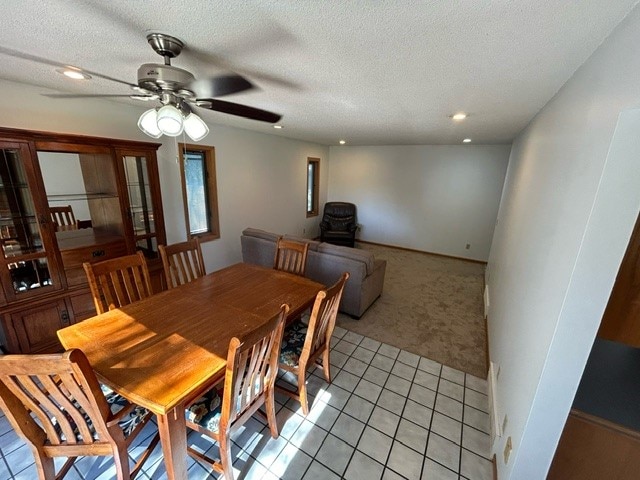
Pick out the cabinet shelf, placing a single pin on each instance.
(80, 196)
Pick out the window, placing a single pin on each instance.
(199, 192)
(313, 183)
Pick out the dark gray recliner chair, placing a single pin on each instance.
(339, 224)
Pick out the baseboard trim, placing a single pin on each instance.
(495, 468)
(422, 251)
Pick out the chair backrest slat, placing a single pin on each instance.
(252, 367)
(291, 256)
(183, 262)
(323, 318)
(62, 216)
(57, 395)
(119, 281)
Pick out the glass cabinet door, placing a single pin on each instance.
(25, 266)
(141, 204)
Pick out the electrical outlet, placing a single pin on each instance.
(468, 246)
(507, 450)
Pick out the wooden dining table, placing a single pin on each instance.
(163, 351)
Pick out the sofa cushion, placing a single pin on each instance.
(313, 244)
(256, 232)
(347, 252)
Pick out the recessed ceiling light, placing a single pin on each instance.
(342, 142)
(467, 140)
(73, 73)
(459, 116)
(277, 126)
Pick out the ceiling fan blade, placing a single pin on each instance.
(97, 95)
(46, 61)
(219, 86)
(239, 110)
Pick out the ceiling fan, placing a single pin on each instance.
(176, 89)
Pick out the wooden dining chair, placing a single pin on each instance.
(252, 367)
(55, 403)
(302, 345)
(63, 217)
(291, 256)
(119, 281)
(182, 262)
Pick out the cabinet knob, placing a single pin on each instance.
(64, 316)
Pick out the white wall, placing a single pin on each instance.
(434, 198)
(570, 201)
(261, 177)
(62, 175)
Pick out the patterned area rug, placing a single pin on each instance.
(431, 306)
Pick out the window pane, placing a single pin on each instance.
(313, 165)
(195, 177)
(310, 175)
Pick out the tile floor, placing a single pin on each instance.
(389, 414)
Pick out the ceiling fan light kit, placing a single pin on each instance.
(148, 123)
(195, 127)
(170, 121)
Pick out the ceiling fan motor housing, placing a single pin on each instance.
(155, 77)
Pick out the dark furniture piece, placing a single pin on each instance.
(338, 225)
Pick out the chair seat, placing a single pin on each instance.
(116, 403)
(292, 343)
(206, 411)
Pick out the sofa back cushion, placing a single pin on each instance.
(256, 232)
(347, 252)
(313, 244)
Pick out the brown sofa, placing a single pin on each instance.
(325, 264)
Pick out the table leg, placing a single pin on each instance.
(173, 435)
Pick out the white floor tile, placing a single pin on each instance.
(335, 454)
(474, 467)
(453, 375)
(476, 418)
(476, 441)
(446, 427)
(375, 444)
(449, 407)
(434, 471)
(384, 421)
(443, 451)
(405, 461)
(348, 429)
(362, 467)
(317, 471)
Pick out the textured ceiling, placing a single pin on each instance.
(371, 72)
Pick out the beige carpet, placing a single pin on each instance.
(431, 306)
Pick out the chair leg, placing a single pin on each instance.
(121, 459)
(45, 465)
(270, 407)
(225, 456)
(326, 365)
(302, 391)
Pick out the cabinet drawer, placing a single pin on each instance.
(72, 260)
(93, 253)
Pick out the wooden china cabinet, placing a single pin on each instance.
(112, 187)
